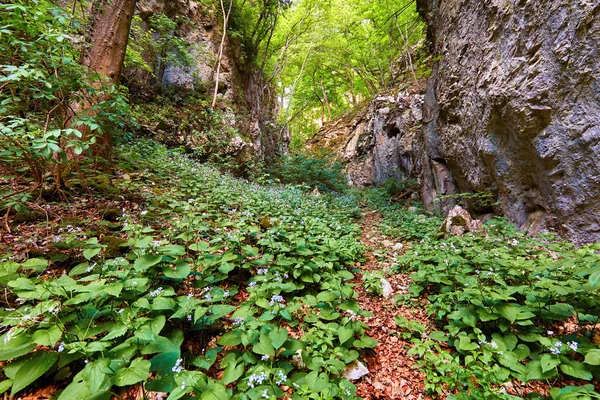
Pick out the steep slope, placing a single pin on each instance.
(244, 125)
(512, 108)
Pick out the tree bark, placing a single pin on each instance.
(106, 43)
(108, 34)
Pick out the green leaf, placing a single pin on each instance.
(5, 385)
(230, 339)
(47, 337)
(508, 311)
(594, 278)
(91, 253)
(345, 333)
(181, 271)
(592, 357)
(465, 344)
(172, 250)
(137, 372)
(264, 346)
(35, 366)
(35, 264)
(548, 362)
(533, 371)
(16, 347)
(216, 391)
(146, 261)
(438, 335)
(278, 337)
(365, 342)
(576, 370)
(232, 373)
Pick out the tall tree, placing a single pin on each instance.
(108, 32)
(106, 42)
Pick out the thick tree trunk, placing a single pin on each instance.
(107, 36)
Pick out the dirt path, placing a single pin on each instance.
(392, 371)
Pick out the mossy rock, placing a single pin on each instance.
(29, 216)
(114, 246)
(114, 227)
(70, 222)
(102, 184)
(111, 214)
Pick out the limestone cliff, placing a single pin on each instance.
(513, 108)
(245, 107)
(380, 141)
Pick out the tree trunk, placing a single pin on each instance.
(108, 33)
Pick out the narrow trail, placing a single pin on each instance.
(393, 374)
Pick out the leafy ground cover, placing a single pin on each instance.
(217, 288)
(516, 316)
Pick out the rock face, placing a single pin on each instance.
(513, 108)
(245, 101)
(378, 142)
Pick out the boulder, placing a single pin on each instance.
(355, 370)
(459, 221)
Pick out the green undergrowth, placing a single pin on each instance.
(510, 309)
(226, 290)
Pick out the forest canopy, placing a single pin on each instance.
(330, 56)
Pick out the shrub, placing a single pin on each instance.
(319, 170)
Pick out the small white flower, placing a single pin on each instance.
(226, 293)
(182, 385)
(177, 368)
(573, 345)
(265, 357)
(61, 347)
(252, 284)
(494, 344)
(550, 333)
(265, 394)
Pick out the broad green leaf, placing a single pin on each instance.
(232, 373)
(278, 337)
(47, 337)
(576, 370)
(19, 345)
(345, 333)
(5, 385)
(172, 250)
(181, 271)
(216, 391)
(264, 346)
(146, 261)
(594, 278)
(438, 335)
(35, 264)
(91, 253)
(34, 367)
(138, 371)
(230, 339)
(549, 362)
(508, 311)
(592, 357)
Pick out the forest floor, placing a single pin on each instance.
(393, 373)
(269, 291)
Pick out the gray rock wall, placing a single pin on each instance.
(250, 115)
(379, 142)
(513, 108)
